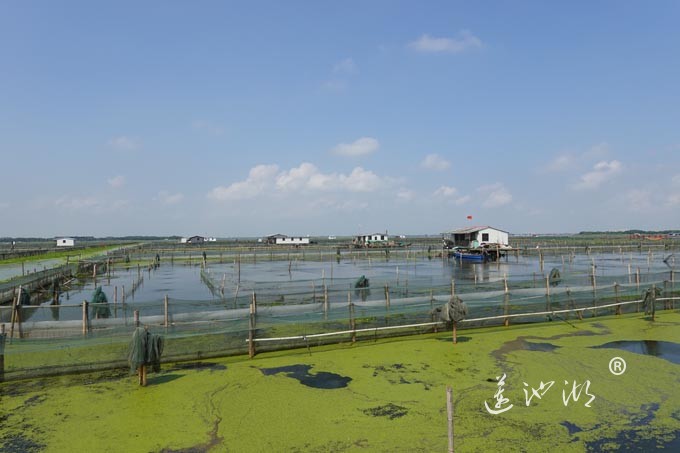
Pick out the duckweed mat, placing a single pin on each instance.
(394, 399)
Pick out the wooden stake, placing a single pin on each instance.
(616, 296)
(251, 331)
(352, 323)
(136, 318)
(449, 415)
(3, 336)
(141, 372)
(165, 306)
(86, 326)
(325, 301)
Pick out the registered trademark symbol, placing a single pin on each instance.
(617, 366)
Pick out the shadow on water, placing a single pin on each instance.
(663, 349)
(198, 366)
(458, 339)
(320, 380)
(164, 379)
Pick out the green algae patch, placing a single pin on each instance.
(395, 400)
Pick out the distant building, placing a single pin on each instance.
(282, 239)
(195, 240)
(371, 240)
(66, 242)
(477, 236)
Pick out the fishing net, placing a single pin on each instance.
(454, 311)
(145, 349)
(100, 304)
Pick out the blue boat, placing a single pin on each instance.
(468, 256)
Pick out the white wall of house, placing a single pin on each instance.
(369, 238)
(492, 236)
(66, 242)
(292, 240)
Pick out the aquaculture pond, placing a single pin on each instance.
(229, 282)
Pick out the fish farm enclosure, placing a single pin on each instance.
(210, 301)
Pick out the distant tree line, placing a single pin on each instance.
(92, 238)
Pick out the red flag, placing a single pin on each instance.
(469, 217)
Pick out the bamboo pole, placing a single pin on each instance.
(449, 415)
(136, 318)
(387, 296)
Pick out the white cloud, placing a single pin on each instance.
(496, 195)
(405, 195)
(451, 193)
(570, 160)
(602, 172)
(259, 178)
(435, 162)
(4, 205)
(76, 203)
(675, 181)
(361, 180)
(117, 181)
(307, 176)
(446, 191)
(299, 177)
(346, 66)
(304, 178)
(208, 127)
(428, 44)
(124, 143)
(561, 163)
(360, 147)
(170, 199)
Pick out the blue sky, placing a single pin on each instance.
(243, 119)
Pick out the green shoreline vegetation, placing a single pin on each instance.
(395, 400)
